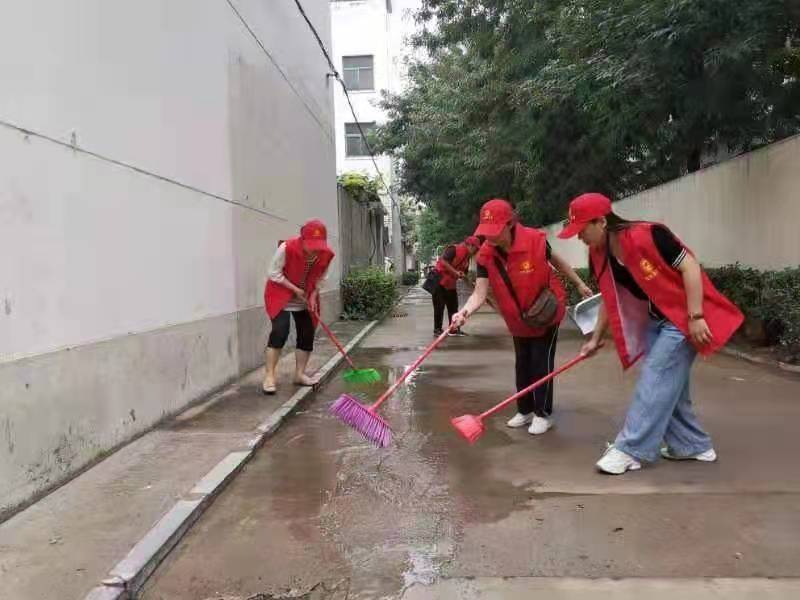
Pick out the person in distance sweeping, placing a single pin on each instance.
(450, 267)
(298, 267)
(660, 305)
(515, 261)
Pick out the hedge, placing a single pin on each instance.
(367, 294)
(770, 300)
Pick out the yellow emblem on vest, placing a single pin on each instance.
(648, 270)
(526, 266)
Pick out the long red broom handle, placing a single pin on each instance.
(333, 337)
(533, 386)
(411, 369)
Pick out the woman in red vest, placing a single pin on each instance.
(661, 305)
(297, 269)
(451, 266)
(516, 262)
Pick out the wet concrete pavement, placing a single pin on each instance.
(321, 514)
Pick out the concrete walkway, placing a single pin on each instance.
(318, 513)
(65, 544)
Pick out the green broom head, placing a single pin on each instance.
(361, 376)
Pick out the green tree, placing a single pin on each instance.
(539, 101)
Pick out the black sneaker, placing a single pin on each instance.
(457, 333)
(437, 332)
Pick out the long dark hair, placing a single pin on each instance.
(617, 223)
(614, 223)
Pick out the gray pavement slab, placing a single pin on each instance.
(319, 511)
(65, 545)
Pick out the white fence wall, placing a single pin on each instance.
(151, 157)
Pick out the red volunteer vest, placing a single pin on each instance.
(529, 273)
(628, 316)
(276, 296)
(460, 263)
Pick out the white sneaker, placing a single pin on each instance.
(708, 456)
(520, 420)
(539, 425)
(616, 462)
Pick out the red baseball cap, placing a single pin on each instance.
(495, 214)
(314, 235)
(473, 241)
(584, 209)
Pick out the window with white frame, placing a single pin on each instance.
(358, 72)
(354, 143)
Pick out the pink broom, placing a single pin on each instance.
(365, 419)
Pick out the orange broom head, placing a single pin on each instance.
(469, 426)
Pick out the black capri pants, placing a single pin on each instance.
(303, 324)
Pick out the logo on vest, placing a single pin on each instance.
(648, 270)
(526, 266)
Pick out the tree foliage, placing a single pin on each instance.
(537, 101)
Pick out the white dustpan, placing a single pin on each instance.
(585, 313)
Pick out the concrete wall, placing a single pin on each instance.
(152, 156)
(361, 227)
(746, 210)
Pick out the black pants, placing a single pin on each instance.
(280, 330)
(535, 359)
(443, 297)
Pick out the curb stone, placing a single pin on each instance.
(130, 574)
(759, 360)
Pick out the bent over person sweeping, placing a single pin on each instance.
(451, 266)
(515, 261)
(662, 307)
(298, 267)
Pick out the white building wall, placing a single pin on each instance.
(744, 210)
(133, 262)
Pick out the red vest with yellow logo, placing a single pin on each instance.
(460, 263)
(629, 316)
(276, 296)
(529, 273)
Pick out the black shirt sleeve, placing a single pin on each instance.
(549, 251)
(449, 254)
(482, 272)
(670, 248)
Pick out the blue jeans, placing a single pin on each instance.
(661, 408)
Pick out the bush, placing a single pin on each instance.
(410, 278)
(367, 294)
(573, 297)
(771, 297)
(361, 187)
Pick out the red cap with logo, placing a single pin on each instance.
(473, 241)
(314, 235)
(495, 214)
(584, 209)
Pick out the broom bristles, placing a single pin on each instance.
(361, 376)
(363, 420)
(469, 426)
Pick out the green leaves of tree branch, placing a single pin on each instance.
(539, 101)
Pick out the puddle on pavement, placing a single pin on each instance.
(332, 507)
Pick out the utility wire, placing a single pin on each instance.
(75, 148)
(323, 126)
(338, 78)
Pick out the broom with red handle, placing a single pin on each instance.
(471, 427)
(352, 374)
(365, 419)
